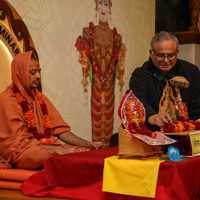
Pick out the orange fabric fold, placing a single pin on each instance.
(16, 174)
(4, 164)
(11, 185)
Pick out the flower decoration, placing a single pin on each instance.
(182, 111)
(132, 113)
(196, 124)
(178, 112)
(80, 43)
(28, 115)
(179, 126)
(136, 118)
(185, 124)
(174, 154)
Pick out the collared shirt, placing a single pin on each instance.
(163, 79)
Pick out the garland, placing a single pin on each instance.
(182, 111)
(179, 126)
(28, 115)
(184, 124)
(136, 119)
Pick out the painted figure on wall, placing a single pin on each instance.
(102, 55)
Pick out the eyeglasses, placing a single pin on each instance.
(161, 56)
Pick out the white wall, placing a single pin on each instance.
(190, 53)
(54, 26)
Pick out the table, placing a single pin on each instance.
(79, 176)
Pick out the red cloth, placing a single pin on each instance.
(79, 176)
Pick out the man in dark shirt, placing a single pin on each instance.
(147, 82)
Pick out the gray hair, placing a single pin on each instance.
(162, 36)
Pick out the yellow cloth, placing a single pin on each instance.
(131, 176)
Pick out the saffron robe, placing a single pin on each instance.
(19, 147)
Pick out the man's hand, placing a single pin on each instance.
(58, 150)
(159, 119)
(95, 145)
(72, 139)
(63, 150)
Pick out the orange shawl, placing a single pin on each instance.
(14, 138)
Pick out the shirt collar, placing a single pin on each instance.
(160, 77)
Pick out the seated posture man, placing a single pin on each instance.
(30, 124)
(147, 82)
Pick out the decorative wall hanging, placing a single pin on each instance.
(102, 56)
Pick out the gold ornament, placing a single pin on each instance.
(179, 81)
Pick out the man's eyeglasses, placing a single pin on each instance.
(161, 56)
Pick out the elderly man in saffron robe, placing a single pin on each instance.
(30, 125)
